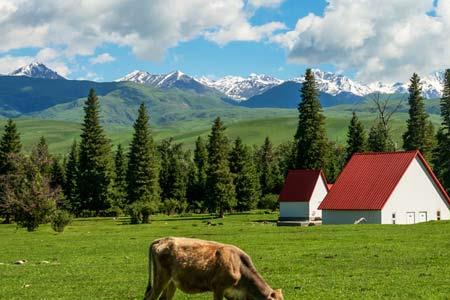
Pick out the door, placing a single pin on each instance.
(410, 218)
(422, 216)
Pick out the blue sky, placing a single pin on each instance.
(104, 40)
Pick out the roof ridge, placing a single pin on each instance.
(387, 152)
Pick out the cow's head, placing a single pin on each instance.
(276, 295)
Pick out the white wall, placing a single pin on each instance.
(319, 193)
(294, 210)
(416, 192)
(350, 216)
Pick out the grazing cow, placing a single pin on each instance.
(197, 266)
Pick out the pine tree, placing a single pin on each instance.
(285, 153)
(41, 158)
(311, 136)
(9, 145)
(220, 187)
(270, 177)
(246, 179)
(10, 148)
(120, 178)
(356, 137)
(143, 165)
(94, 161)
(379, 139)
(415, 136)
(441, 155)
(57, 176)
(198, 176)
(174, 171)
(70, 187)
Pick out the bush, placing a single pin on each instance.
(60, 219)
(269, 201)
(140, 211)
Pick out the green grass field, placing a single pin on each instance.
(107, 259)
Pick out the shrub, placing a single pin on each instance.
(60, 219)
(140, 211)
(269, 201)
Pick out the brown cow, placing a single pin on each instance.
(197, 266)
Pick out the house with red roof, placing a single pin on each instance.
(386, 188)
(302, 194)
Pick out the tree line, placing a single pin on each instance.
(218, 176)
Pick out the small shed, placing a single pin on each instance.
(386, 188)
(302, 193)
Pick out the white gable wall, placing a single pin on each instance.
(415, 193)
(319, 193)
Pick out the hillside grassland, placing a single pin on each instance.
(107, 259)
(60, 134)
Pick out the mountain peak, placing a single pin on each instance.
(36, 69)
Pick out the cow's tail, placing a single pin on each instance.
(150, 271)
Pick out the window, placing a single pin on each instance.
(438, 215)
(393, 218)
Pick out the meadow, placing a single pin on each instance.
(280, 128)
(107, 259)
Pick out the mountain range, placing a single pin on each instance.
(242, 89)
(37, 91)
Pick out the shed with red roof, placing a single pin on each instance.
(386, 188)
(302, 194)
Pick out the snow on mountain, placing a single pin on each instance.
(240, 88)
(36, 70)
(176, 79)
(334, 84)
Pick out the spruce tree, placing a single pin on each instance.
(10, 145)
(311, 136)
(70, 188)
(356, 137)
(143, 164)
(41, 158)
(270, 176)
(220, 187)
(120, 178)
(379, 139)
(415, 136)
(94, 161)
(441, 155)
(10, 148)
(174, 171)
(246, 179)
(57, 176)
(198, 176)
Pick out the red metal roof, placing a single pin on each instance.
(368, 180)
(329, 185)
(299, 185)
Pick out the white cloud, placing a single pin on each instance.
(381, 40)
(102, 59)
(149, 27)
(265, 3)
(10, 63)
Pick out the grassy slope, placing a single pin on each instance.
(60, 134)
(105, 259)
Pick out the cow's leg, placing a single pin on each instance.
(159, 284)
(218, 294)
(169, 292)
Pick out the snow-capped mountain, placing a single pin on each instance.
(176, 79)
(36, 70)
(334, 84)
(240, 88)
